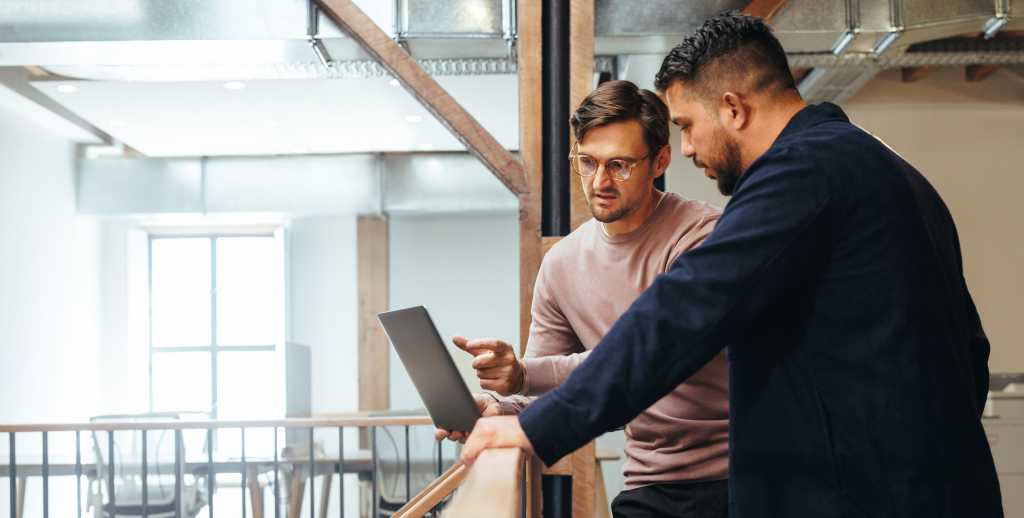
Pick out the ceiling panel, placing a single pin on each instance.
(200, 118)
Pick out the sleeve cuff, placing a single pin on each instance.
(547, 423)
(538, 377)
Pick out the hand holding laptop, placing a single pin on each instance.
(487, 406)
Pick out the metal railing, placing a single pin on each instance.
(300, 467)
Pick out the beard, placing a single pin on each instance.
(726, 162)
(612, 215)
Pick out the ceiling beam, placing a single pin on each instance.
(19, 80)
(976, 73)
(427, 91)
(914, 74)
(764, 9)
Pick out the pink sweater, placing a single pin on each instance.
(585, 283)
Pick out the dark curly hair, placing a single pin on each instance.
(616, 101)
(729, 50)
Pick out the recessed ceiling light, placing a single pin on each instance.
(67, 89)
(413, 119)
(270, 123)
(426, 147)
(118, 123)
(234, 85)
(393, 82)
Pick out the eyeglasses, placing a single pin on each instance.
(620, 169)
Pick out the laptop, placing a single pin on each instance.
(433, 372)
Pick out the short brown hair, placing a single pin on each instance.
(617, 101)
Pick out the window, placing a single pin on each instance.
(216, 318)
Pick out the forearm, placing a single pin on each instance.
(544, 373)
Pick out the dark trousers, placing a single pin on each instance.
(689, 500)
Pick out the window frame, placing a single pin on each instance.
(214, 348)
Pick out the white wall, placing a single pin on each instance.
(48, 280)
(123, 319)
(323, 307)
(465, 269)
(49, 297)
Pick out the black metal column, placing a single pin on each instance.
(556, 495)
(555, 79)
(555, 215)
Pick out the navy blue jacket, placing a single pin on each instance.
(858, 364)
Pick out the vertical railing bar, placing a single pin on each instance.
(277, 493)
(524, 479)
(46, 475)
(12, 472)
(177, 473)
(312, 471)
(145, 477)
(408, 467)
(434, 510)
(341, 472)
(373, 475)
(244, 474)
(78, 473)
(210, 476)
(110, 472)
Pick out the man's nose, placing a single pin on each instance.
(686, 147)
(601, 178)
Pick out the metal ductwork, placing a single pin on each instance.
(296, 185)
(215, 39)
(220, 39)
(847, 42)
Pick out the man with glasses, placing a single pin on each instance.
(676, 451)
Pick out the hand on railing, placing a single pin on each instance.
(495, 432)
(487, 405)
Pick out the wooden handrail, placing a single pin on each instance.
(493, 486)
(355, 420)
(431, 495)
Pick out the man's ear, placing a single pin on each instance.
(662, 160)
(733, 112)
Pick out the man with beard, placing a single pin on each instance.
(857, 360)
(676, 450)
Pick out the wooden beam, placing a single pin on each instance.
(764, 9)
(372, 267)
(583, 478)
(530, 152)
(581, 82)
(913, 74)
(427, 91)
(977, 73)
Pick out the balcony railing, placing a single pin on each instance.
(141, 468)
